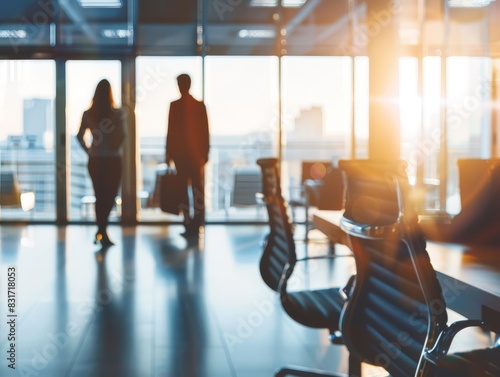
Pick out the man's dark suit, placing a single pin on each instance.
(188, 146)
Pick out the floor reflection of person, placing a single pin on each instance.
(106, 124)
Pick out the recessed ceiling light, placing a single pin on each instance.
(13, 34)
(100, 3)
(244, 33)
(116, 33)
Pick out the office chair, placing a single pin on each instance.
(11, 196)
(478, 222)
(312, 308)
(395, 316)
(247, 183)
(322, 186)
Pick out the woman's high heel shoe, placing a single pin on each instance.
(103, 239)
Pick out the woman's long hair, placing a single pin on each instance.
(102, 102)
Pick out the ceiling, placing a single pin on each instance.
(239, 27)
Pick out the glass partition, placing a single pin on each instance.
(27, 93)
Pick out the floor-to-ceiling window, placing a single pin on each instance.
(82, 77)
(242, 102)
(156, 87)
(468, 122)
(27, 93)
(360, 109)
(233, 51)
(469, 88)
(317, 115)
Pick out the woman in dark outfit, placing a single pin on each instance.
(107, 127)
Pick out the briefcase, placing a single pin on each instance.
(172, 193)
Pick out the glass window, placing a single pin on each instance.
(156, 87)
(317, 114)
(361, 100)
(27, 94)
(82, 77)
(468, 117)
(430, 145)
(420, 141)
(409, 112)
(242, 104)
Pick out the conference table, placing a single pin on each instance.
(469, 276)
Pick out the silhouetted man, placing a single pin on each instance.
(187, 147)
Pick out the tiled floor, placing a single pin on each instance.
(153, 305)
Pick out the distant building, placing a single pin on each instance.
(38, 122)
(308, 125)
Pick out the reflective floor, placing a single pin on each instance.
(153, 305)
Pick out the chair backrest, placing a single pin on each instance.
(474, 176)
(10, 194)
(478, 222)
(247, 183)
(280, 247)
(332, 191)
(315, 169)
(396, 308)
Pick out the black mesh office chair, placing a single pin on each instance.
(395, 316)
(313, 308)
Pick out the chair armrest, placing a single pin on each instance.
(444, 340)
(347, 290)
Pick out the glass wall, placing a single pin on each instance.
(468, 120)
(27, 93)
(82, 77)
(156, 87)
(242, 104)
(241, 44)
